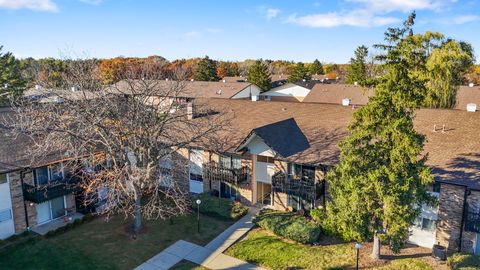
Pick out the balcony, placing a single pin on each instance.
(303, 186)
(472, 222)
(240, 176)
(40, 194)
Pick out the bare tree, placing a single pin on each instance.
(126, 130)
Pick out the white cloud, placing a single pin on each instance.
(191, 35)
(369, 13)
(403, 5)
(272, 13)
(461, 19)
(92, 2)
(359, 18)
(214, 30)
(37, 5)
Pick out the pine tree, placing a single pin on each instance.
(206, 70)
(299, 73)
(357, 70)
(258, 74)
(382, 177)
(12, 84)
(316, 68)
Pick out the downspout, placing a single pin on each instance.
(22, 175)
(464, 208)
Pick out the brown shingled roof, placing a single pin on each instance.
(196, 89)
(467, 95)
(334, 93)
(452, 153)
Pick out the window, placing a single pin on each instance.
(230, 162)
(41, 176)
(265, 159)
(425, 224)
(196, 165)
(228, 191)
(44, 175)
(3, 178)
(436, 187)
(165, 171)
(296, 171)
(5, 215)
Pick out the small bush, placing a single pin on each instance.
(318, 215)
(88, 217)
(219, 207)
(463, 261)
(288, 225)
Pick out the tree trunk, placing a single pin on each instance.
(137, 220)
(376, 247)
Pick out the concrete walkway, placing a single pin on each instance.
(210, 256)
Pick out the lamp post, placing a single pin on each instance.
(198, 214)
(357, 247)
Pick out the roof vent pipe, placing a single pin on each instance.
(471, 107)
(346, 102)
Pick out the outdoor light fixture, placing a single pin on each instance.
(198, 214)
(357, 247)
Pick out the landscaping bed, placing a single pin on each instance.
(288, 225)
(106, 245)
(219, 207)
(463, 261)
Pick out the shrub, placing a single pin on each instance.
(463, 261)
(219, 207)
(318, 215)
(288, 225)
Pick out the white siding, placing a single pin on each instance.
(7, 227)
(251, 90)
(257, 147)
(288, 90)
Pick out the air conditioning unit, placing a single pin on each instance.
(471, 107)
(346, 102)
(255, 98)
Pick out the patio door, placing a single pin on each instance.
(49, 210)
(43, 212)
(196, 171)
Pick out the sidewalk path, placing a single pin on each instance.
(210, 256)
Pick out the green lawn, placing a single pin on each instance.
(265, 249)
(105, 245)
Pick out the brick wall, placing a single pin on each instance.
(280, 201)
(450, 211)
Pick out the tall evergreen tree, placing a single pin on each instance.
(316, 68)
(11, 82)
(357, 70)
(258, 74)
(299, 73)
(382, 177)
(206, 70)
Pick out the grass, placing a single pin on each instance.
(187, 265)
(463, 261)
(265, 249)
(105, 245)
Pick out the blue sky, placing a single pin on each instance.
(227, 30)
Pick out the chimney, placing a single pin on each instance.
(346, 102)
(254, 98)
(190, 111)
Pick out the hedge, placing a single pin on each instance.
(463, 261)
(219, 207)
(288, 225)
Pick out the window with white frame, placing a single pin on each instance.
(165, 165)
(48, 174)
(196, 165)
